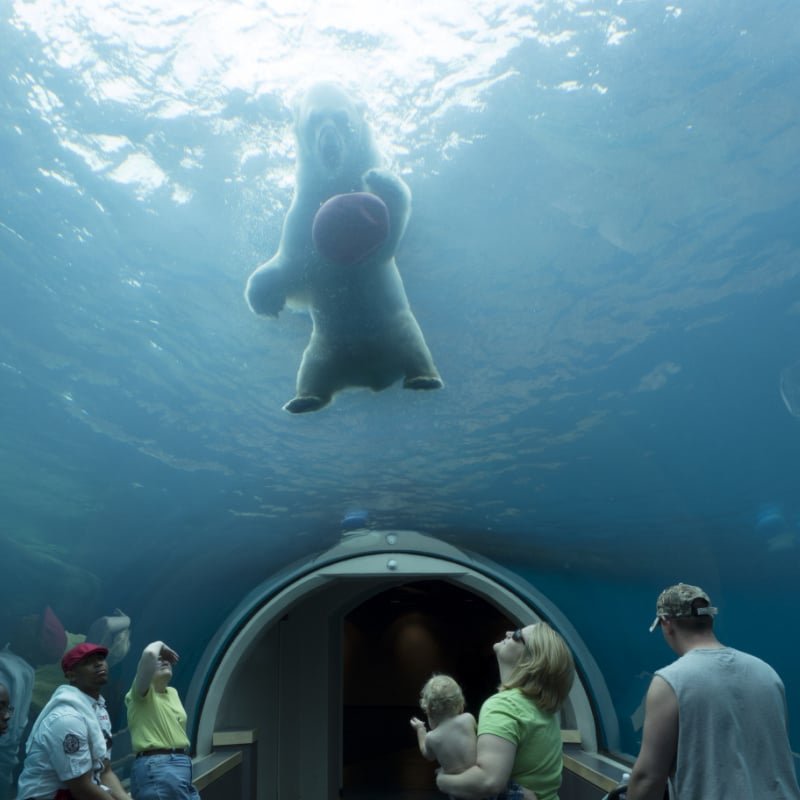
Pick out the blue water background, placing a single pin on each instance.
(608, 281)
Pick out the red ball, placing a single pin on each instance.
(349, 227)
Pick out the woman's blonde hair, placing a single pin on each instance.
(441, 698)
(545, 670)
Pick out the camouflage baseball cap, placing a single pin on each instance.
(676, 601)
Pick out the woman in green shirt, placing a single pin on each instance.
(519, 735)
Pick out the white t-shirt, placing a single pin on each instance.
(59, 751)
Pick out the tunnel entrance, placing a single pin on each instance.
(322, 664)
(391, 644)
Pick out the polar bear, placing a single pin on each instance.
(364, 332)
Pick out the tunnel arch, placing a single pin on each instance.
(276, 664)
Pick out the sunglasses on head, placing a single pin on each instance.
(517, 636)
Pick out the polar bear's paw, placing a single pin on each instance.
(266, 291)
(302, 405)
(384, 183)
(423, 382)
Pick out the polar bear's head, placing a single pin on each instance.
(333, 139)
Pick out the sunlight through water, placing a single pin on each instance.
(240, 65)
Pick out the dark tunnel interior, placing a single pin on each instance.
(393, 643)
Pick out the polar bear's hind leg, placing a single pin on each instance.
(302, 405)
(423, 382)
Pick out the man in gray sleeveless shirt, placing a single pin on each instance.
(715, 719)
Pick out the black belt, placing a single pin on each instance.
(163, 751)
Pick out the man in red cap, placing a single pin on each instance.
(69, 748)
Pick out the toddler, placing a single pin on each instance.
(452, 739)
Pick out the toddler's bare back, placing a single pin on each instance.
(454, 743)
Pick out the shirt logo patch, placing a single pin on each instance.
(71, 744)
